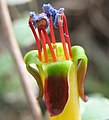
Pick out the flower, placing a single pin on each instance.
(60, 69)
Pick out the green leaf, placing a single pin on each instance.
(96, 108)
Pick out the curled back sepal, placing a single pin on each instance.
(32, 58)
(80, 57)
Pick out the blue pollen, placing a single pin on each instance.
(52, 12)
(36, 18)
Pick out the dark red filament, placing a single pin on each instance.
(52, 31)
(36, 38)
(63, 39)
(42, 38)
(50, 46)
(67, 35)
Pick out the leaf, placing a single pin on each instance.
(97, 108)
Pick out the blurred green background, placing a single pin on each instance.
(88, 22)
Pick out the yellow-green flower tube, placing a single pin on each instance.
(72, 70)
(72, 108)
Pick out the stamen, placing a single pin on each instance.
(52, 31)
(63, 39)
(43, 44)
(67, 35)
(36, 38)
(50, 46)
(50, 17)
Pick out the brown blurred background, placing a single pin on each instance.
(88, 22)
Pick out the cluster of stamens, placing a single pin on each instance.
(50, 18)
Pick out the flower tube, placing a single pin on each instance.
(60, 69)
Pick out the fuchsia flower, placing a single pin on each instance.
(60, 69)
